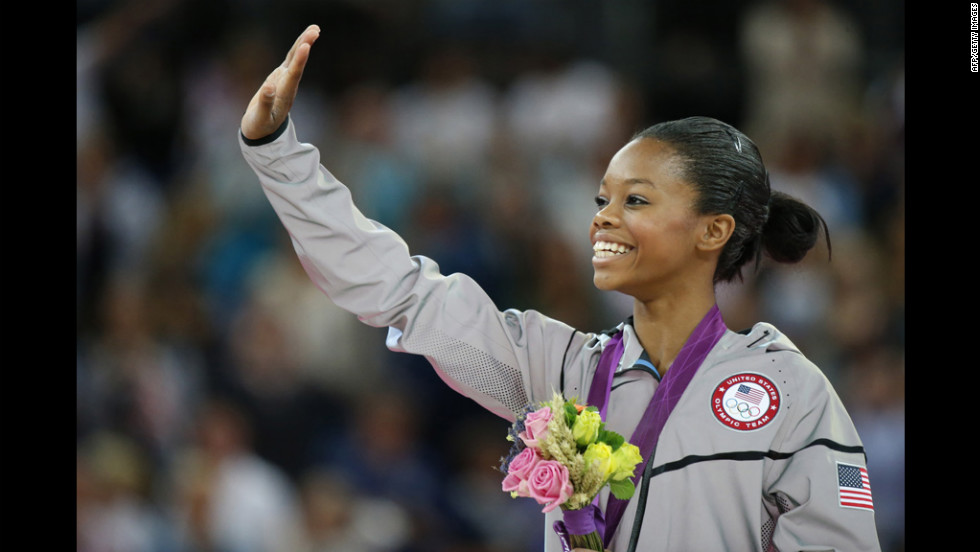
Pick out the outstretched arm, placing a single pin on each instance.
(270, 105)
(502, 360)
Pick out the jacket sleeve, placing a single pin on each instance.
(500, 359)
(818, 491)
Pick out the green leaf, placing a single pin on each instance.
(622, 489)
(570, 414)
(611, 438)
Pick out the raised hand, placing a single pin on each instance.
(271, 103)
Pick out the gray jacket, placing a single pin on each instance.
(759, 453)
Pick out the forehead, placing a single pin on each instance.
(645, 159)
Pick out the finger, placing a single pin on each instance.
(294, 71)
(308, 36)
(297, 64)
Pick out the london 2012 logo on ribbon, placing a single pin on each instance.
(745, 401)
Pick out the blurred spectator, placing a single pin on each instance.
(336, 517)
(383, 455)
(139, 83)
(444, 121)
(106, 30)
(116, 509)
(328, 346)
(385, 182)
(177, 304)
(227, 498)
(285, 410)
(804, 67)
(118, 211)
(130, 380)
(567, 107)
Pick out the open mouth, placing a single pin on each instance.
(603, 249)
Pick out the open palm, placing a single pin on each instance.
(272, 101)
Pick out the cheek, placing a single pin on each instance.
(667, 241)
(678, 226)
(660, 231)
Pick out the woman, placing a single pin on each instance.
(746, 444)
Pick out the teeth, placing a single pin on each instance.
(609, 249)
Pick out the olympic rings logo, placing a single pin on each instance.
(744, 409)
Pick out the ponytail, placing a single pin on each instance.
(792, 229)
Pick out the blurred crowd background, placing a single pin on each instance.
(225, 405)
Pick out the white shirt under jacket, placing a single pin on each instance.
(719, 486)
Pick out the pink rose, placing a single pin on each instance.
(548, 484)
(536, 427)
(519, 470)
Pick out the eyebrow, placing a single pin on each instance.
(631, 181)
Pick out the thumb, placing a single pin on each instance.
(257, 120)
(267, 96)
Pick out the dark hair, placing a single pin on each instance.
(726, 169)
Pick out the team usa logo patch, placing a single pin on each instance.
(745, 402)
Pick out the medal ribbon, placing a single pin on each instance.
(665, 397)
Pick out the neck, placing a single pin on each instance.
(664, 324)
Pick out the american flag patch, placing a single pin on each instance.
(853, 487)
(754, 396)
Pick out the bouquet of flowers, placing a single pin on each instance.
(562, 456)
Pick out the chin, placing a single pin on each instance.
(618, 286)
(604, 284)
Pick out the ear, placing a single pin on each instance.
(717, 230)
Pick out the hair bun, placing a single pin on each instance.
(792, 229)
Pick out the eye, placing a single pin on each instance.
(636, 200)
(601, 202)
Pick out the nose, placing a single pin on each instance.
(606, 217)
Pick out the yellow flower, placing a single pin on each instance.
(586, 428)
(624, 461)
(600, 455)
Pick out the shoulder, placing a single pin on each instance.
(759, 383)
(764, 347)
(765, 353)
